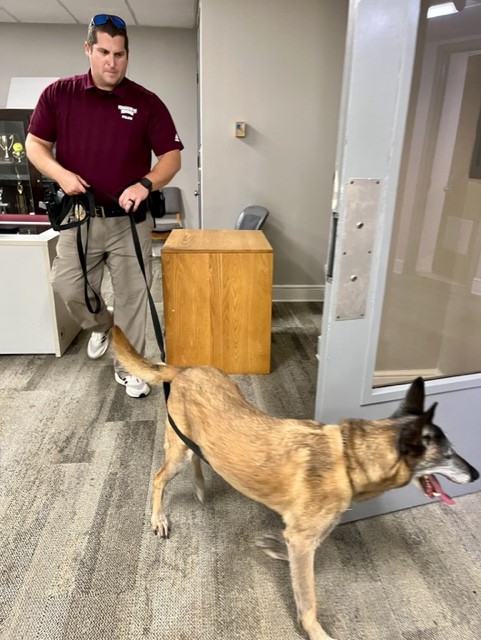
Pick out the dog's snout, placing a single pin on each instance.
(460, 471)
(474, 474)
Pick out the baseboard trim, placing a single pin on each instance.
(298, 293)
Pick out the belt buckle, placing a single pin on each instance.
(99, 212)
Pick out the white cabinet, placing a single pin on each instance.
(33, 319)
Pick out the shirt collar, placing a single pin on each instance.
(120, 89)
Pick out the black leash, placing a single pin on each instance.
(69, 212)
(82, 254)
(160, 341)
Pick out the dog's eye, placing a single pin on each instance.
(448, 456)
(427, 439)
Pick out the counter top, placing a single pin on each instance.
(216, 240)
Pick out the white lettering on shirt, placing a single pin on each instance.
(127, 112)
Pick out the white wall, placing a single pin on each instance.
(163, 60)
(277, 65)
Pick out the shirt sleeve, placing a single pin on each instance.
(43, 122)
(162, 132)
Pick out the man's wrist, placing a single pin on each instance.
(145, 182)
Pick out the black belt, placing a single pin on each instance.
(109, 211)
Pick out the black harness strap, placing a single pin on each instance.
(160, 341)
(187, 441)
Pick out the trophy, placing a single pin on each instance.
(21, 201)
(6, 143)
(17, 151)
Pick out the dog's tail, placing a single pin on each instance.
(138, 366)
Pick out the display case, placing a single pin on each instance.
(21, 189)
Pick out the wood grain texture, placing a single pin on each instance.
(217, 291)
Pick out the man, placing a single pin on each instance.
(105, 128)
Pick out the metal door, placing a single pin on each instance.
(379, 292)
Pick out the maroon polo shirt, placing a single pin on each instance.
(106, 137)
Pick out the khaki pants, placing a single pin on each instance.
(110, 244)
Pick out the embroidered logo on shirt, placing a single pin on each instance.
(176, 139)
(127, 113)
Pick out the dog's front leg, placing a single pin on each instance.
(175, 455)
(301, 563)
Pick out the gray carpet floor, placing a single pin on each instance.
(78, 559)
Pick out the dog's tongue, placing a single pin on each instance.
(433, 489)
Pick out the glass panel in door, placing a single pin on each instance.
(431, 316)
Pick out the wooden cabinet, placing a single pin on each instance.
(217, 287)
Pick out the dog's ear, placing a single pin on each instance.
(413, 403)
(416, 434)
(429, 415)
(411, 439)
(429, 429)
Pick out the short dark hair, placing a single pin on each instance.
(109, 28)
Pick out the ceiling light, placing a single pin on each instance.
(444, 9)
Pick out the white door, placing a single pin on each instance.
(403, 286)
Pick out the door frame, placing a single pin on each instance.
(379, 59)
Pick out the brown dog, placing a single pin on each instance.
(306, 471)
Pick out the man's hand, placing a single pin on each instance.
(132, 196)
(72, 184)
(161, 174)
(40, 154)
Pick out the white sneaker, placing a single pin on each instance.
(134, 387)
(98, 344)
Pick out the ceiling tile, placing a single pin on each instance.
(153, 13)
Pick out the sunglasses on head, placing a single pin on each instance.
(103, 18)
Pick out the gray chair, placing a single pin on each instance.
(173, 214)
(252, 217)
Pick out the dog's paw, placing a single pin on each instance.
(273, 546)
(160, 525)
(318, 634)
